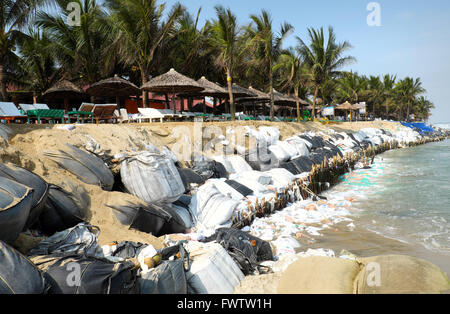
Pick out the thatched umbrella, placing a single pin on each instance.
(347, 107)
(172, 82)
(64, 90)
(210, 90)
(113, 87)
(280, 98)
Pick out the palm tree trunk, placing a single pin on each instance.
(407, 111)
(316, 92)
(3, 93)
(230, 93)
(298, 105)
(272, 113)
(144, 78)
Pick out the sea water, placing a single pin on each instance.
(404, 197)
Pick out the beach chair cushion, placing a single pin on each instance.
(26, 107)
(8, 109)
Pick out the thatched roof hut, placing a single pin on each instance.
(65, 90)
(346, 106)
(61, 89)
(172, 82)
(113, 87)
(210, 89)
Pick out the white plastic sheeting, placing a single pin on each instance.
(152, 177)
(300, 145)
(213, 271)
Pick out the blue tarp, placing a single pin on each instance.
(419, 125)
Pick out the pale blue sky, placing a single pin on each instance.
(413, 39)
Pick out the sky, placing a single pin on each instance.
(412, 40)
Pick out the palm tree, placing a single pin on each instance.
(422, 108)
(292, 75)
(323, 59)
(190, 50)
(266, 45)
(388, 91)
(79, 49)
(13, 16)
(375, 92)
(408, 89)
(224, 38)
(351, 87)
(138, 30)
(38, 67)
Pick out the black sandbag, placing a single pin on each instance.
(79, 274)
(32, 180)
(189, 176)
(239, 187)
(18, 275)
(315, 141)
(63, 209)
(128, 249)
(15, 205)
(291, 167)
(245, 249)
(334, 148)
(169, 277)
(353, 138)
(303, 163)
(219, 170)
(151, 218)
(86, 166)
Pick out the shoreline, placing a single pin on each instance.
(24, 148)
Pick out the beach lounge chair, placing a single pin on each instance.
(9, 112)
(150, 114)
(41, 112)
(104, 112)
(85, 111)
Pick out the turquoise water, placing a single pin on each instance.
(406, 197)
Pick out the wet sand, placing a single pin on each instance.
(365, 243)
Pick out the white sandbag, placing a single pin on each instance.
(300, 146)
(254, 175)
(288, 148)
(151, 177)
(227, 190)
(212, 271)
(211, 207)
(280, 177)
(238, 164)
(271, 134)
(185, 215)
(279, 153)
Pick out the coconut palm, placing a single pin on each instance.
(138, 30)
(38, 67)
(388, 91)
(422, 108)
(351, 87)
(292, 75)
(266, 45)
(375, 92)
(14, 15)
(79, 49)
(407, 90)
(224, 38)
(323, 58)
